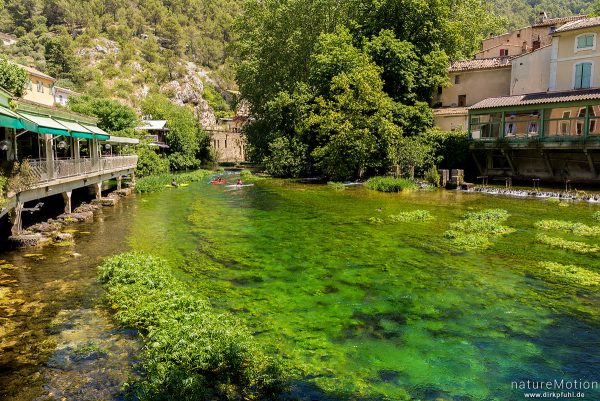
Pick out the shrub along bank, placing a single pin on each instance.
(390, 184)
(156, 183)
(192, 352)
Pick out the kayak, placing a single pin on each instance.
(239, 186)
(178, 186)
(218, 182)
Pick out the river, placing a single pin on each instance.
(359, 308)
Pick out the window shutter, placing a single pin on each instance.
(586, 75)
(578, 75)
(589, 41)
(581, 42)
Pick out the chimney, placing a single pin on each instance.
(542, 16)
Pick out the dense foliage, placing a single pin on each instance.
(157, 183)
(149, 162)
(192, 351)
(112, 115)
(188, 143)
(390, 184)
(340, 89)
(12, 77)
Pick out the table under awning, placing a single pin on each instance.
(45, 124)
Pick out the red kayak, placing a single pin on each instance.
(218, 182)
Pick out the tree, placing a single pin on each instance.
(112, 115)
(188, 143)
(12, 77)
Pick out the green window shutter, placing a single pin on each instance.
(578, 75)
(589, 40)
(581, 42)
(586, 75)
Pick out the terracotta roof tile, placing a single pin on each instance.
(561, 20)
(580, 24)
(480, 64)
(450, 111)
(538, 98)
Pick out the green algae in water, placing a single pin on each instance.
(382, 311)
(411, 217)
(571, 273)
(575, 246)
(568, 226)
(476, 229)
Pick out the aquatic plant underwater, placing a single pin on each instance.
(447, 296)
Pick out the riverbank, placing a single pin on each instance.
(538, 193)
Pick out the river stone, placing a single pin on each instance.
(46, 226)
(76, 217)
(123, 192)
(28, 240)
(86, 207)
(61, 237)
(105, 201)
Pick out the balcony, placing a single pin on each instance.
(47, 171)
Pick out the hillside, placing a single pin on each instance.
(519, 13)
(126, 50)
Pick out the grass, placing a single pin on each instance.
(336, 186)
(596, 216)
(390, 184)
(572, 273)
(568, 226)
(477, 228)
(192, 351)
(157, 183)
(574, 246)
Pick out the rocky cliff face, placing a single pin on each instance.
(186, 89)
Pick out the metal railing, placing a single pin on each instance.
(44, 171)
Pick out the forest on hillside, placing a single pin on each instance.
(520, 13)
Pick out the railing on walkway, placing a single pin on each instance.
(75, 167)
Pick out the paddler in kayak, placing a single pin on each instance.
(239, 182)
(174, 183)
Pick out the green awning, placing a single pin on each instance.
(46, 125)
(98, 132)
(77, 130)
(10, 119)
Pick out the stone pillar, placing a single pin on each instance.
(67, 199)
(119, 182)
(15, 217)
(98, 190)
(49, 145)
(133, 178)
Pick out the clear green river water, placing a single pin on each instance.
(356, 310)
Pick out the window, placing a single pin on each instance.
(440, 90)
(462, 100)
(40, 86)
(503, 52)
(585, 42)
(30, 85)
(533, 128)
(583, 75)
(510, 129)
(456, 79)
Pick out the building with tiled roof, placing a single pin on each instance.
(480, 64)
(579, 24)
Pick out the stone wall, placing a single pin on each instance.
(229, 146)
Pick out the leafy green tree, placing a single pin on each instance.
(187, 141)
(112, 115)
(12, 77)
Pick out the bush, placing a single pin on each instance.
(288, 158)
(390, 184)
(192, 352)
(157, 183)
(150, 163)
(432, 176)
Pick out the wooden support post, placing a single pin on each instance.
(16, 219)
(509, 160)
(119, 182)
(547, 162)
(49, 145)
(588, 154)
(67, 199)
(477, 163)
